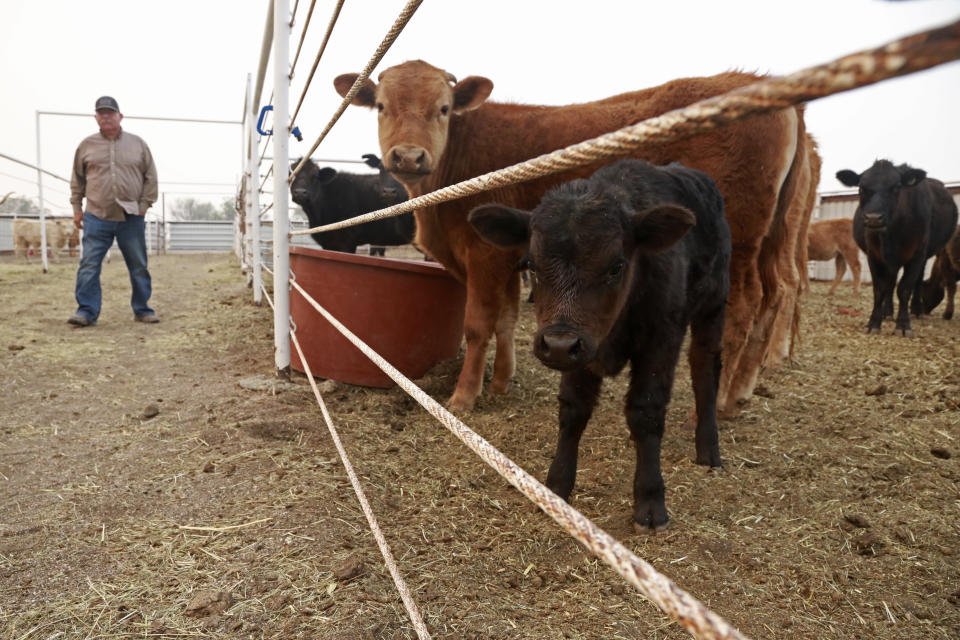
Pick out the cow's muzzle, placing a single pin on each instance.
(562, 348)
(874, 221)
(408, 160)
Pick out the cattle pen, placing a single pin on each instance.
(834, 517)
(840, 75)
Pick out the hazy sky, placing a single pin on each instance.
(182, 59)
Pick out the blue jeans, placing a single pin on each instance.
(98, 237)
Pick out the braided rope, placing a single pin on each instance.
(388, 41)
(698, 620)
(408, 602)
(303, 33)
(907, 55)
(313, 69)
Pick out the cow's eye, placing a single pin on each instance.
(380, 106)
(615, 271)
(444, 109)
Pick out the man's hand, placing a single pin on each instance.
(78, 219)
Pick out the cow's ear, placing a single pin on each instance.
(470, 93)
(848, 177)
(326, 174)
(372, 160)
(658, 228)
(366, 97)
(912, 177)
(501, 226)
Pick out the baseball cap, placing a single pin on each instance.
(106, 102)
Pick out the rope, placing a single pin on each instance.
(910, 54)
(388, 40)
(303, 34)
(671, 599)
(388, 558)
(266, 177)
(333, 21)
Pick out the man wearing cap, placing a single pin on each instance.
(114, 171)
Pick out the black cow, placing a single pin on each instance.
(903, 218)
(622, 263)
(943, 276)
(328, 196)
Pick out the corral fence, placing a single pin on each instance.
(172, 236)
(843, 204)
(905, 56)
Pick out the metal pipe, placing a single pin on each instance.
(252, 200)
(126, 117)
(43, 221)
(281, 255)
(264, 56)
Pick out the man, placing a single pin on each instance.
(114, 170)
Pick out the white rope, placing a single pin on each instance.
(408, 602)
(313, 69)
(671, 599)
(910, 54)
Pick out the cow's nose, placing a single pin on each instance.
(873, 219)
(557, 348)
(406, 158)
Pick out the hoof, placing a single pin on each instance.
(460, 402)
(501, 388)
(648, 530)
(905, 333)
(947, 315)
(873, 331)
(732, 411)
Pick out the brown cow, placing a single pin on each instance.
(829, 239)
(435, 132)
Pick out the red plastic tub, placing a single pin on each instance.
(408, 311)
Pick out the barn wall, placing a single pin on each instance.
(843, 204)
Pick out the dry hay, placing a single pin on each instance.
(227, 513)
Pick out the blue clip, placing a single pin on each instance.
(263, 113)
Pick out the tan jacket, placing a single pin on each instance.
(116, 176)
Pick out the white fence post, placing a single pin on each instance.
(252, 199)
(281, 163)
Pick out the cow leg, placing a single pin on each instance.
(909, 283)
(578, 395)
(855, 269)
(882, 292)
(840, 269)
(505, 360)
(646, 407)
(706, 339)
(746, 293)
(951, 292)
(916, 298)
(480, 317)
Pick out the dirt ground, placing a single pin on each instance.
(145, 492)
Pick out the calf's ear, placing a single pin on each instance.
(849, 178)
(326, 174)
(658, 228)
(501, 226)
(470, 93)
(912, 177)
(366, 97)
